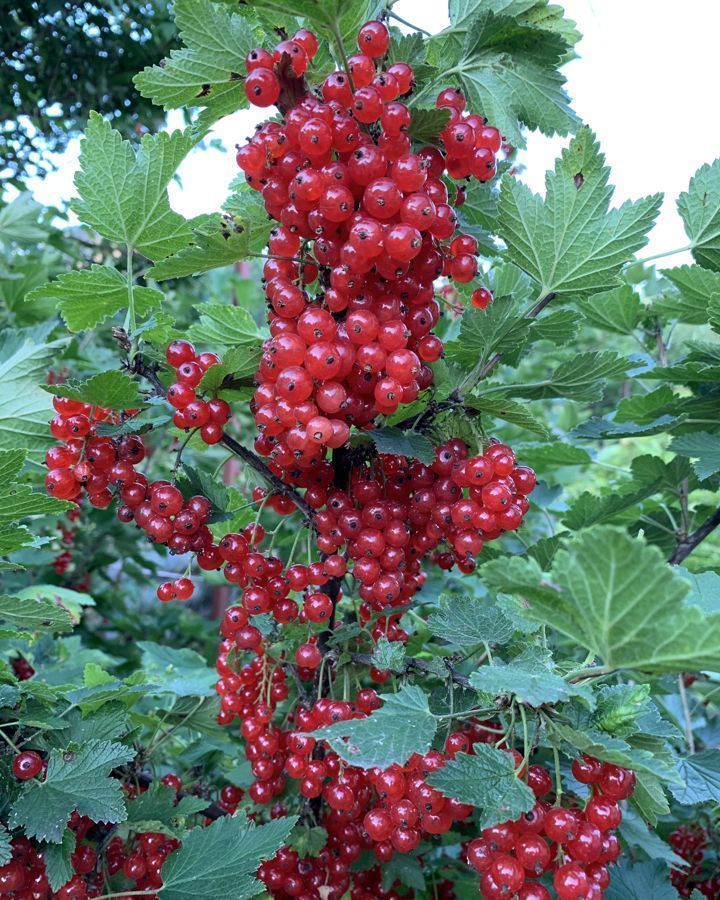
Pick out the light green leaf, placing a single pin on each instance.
(113, 390)
(58, 866)
(555, 454)
(158, 809)
(701, 776)
(402, 726)
(403, 443)
(589, 509)
(308, 840)
(696, 286)
(406, 869)
(646, 408)
(596, 429)
(466, 621)
(529, 677)
(617, 597)
(617, 311)
(509, 411)
(510, 72)
(179, 671)
(560, 327)
(215, 244)
(639, 881)
(20, 221)
(123, 193)
(76, 780)
(236, 369)
(581, 377)
(222, 859)
(211, 64)
(701, 447)
(649, 798)
(699, 208)
(389, 655)
(228, 326)
(497, 329)
(426, 124)
(88, 297)
(34, 615)
(572, 242)
(486, 780)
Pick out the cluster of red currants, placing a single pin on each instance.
(210, 416)
(575, 845)
(691, 842)
(141, 861)
(83, 461)
(63, 560)
(365, 227)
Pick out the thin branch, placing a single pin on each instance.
(417, 665)
(686, 546)
(149, 373)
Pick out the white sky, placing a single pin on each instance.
(646, 82)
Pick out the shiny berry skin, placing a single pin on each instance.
(262, 87)
(179, 352)
(374, 39)
(571, 882)
(616, 782)
(26, 765)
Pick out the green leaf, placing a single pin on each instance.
(182, 672)
(588, 509)
(222, 859)
(156, 810)
(699, 208)
(639, 881)
(529, 677)
(705, 589)
(76, 780)
(617, 597)
(237, 365)
(113, 390)
(701, 774)
(88, 297)
(228, 326)
(308, 841)
(581, 377)
(217, 243)
(406, 869)
(466, 621)
(209, 66)
(703, 448)
(25, 409)
(618, 707)
(403, 443)
(649, 798)
(486, 780)
(636, 833)
(572, 242)
(20, 221)
(596, 429)
(696, 286)
(510, 72)
(509, 411)
(497, 329)
(246, 205)
(34, 615)
(553, 455)
(58, 866)
(194, 481)
(646, 408)
(5, 846)
(426, 124)
(389, 655)
(617, 310)
(560, 327)
(402, 726)
(123, 193)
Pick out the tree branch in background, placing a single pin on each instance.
(686, 546)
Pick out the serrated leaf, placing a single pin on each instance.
(617, 311)
(402, 726)
(581, 377)
(179, 671)
(34, 615)
(559, 327)
(699, 208)
(222, 859)
(571, 242)
(113, 390)
(617, 597)
(510, 71)
(542, 457)
(208, 68)
(228, 326)
(589, 509)
(466, 621)
(158, 806)
(426, 124)
(75, 780)
(597, 429)
(702, 448)
(153, 417)
(25, 409)
(406, 869)
(509, 411)
(649, 798)
(701, 775)
(403, 443)
(308, 841)
(486, 780)
(123, 193)
(389, 655)
(220, 242)
(497, 329)
(20, 221)
(529, 677)
(88, 297)
(696, 286)
(237, 365)
(246, 205)
(619, 706)
(58, 866)
(5, 846)
(193, 481)
(637, 834)
(646, 408)
(639, 881)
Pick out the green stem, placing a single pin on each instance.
(648, 259)
(337, 37)
(558, 777)
(402, 21)
(130, 322)
(526, 742)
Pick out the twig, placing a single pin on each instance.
(417, 665)
(685, 547)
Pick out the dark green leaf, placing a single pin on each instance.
(403, 443)
(113, 390)
(467, 620)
